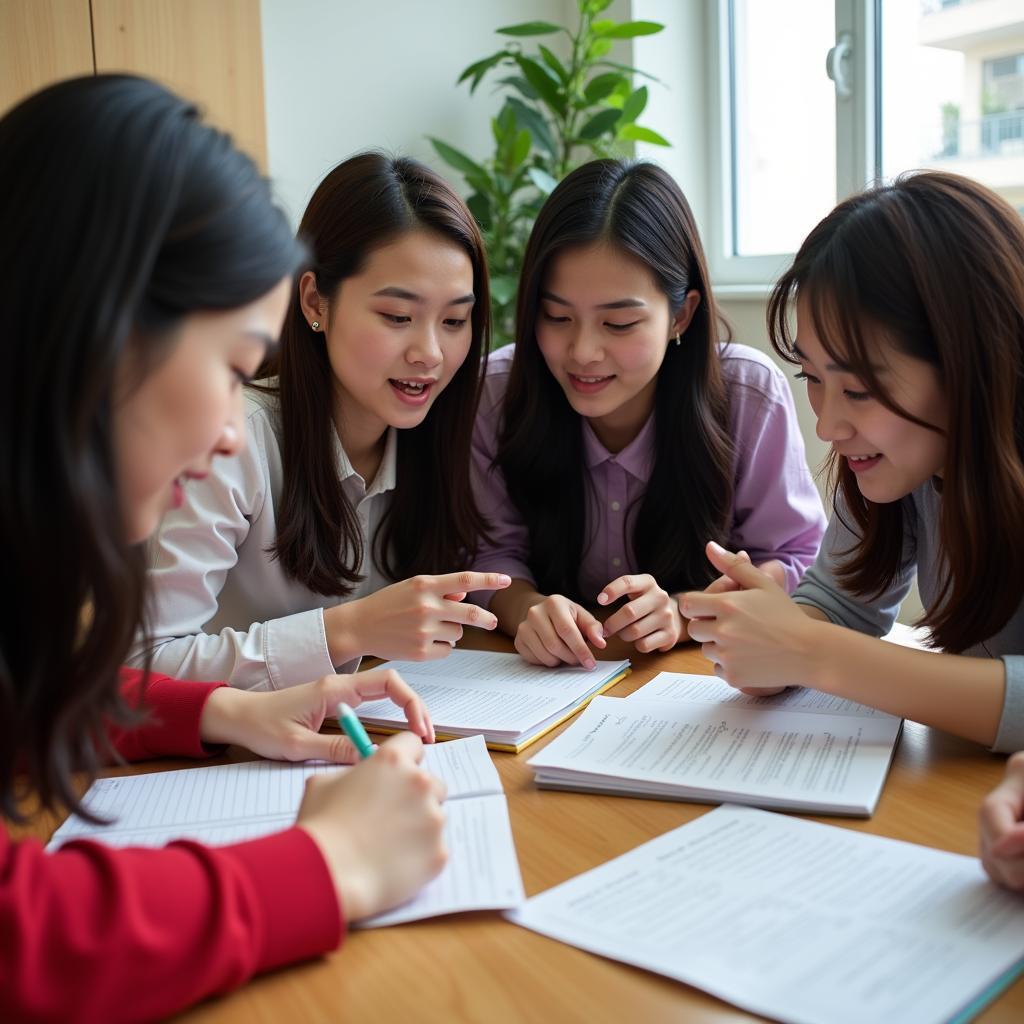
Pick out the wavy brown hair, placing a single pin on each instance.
(934, 263)
(432, 524)
(159, 216)
(638, 208)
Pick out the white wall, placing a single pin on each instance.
(341, 76)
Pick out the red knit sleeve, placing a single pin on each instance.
(170, 710)
(91, 933)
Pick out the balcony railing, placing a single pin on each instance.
(994, 135)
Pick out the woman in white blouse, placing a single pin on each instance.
(280, 566)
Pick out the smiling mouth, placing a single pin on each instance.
(410, 387)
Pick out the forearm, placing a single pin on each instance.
(511, 605)
(342, 632)
(961, 695)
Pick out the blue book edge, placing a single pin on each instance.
(988, 995)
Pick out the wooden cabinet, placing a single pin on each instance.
(211, 53)
(42, 41)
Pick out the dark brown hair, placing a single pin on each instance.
(432, 523)
(934, 265)
(160, 216)
(638, 208)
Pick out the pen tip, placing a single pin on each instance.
(344, 709)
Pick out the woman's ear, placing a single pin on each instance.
(314, 308)
(685, 314)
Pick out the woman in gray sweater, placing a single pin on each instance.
(909, 303)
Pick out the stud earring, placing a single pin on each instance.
(315, 325)
(678, 340)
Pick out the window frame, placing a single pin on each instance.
(858, 134)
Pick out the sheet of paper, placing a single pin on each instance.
(482, 872)
(909, 636)
(802, 922)
(727, 753)
(489, 692)
(232, 803)
(222, 803)
(698, 689)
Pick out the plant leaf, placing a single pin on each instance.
(503, 288)
(479, 69)
(628, 70)
(544, 181)
(520, 83)
(554, 63)
(634, 106)
(457, 159)
(542, 81)
(529, 28)
(599, 124)
(480, 206)
(593, 7)
(598, 48)
(637, 133)
(534, 122)
(521, 148)
(602, 85)
(631, 29)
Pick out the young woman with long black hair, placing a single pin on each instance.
(621, 431)
(282, 564)
(141, 283)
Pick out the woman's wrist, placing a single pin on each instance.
(340, 632)
(222, 712)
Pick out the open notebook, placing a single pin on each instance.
(693, 737)
(801, 922)
(498, 696)
(231, 803)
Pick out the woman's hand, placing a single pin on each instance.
(284, 725)
(724, 585)
(1002, 827)
(556, 631)
(418, 619)
(650, 620)
(756, 637)
(379, 826)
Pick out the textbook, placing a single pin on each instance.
(235, 802)
(498, 696)
(801, 922)
(694, 737)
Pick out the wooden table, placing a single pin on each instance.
(478, 967)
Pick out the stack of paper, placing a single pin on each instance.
(236, 802)
(806, 923)
(498, 696)
(691, 737)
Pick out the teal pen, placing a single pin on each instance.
(354, 730)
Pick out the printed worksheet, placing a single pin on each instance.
(786, 758)
(802, 922)
(698, 689)
(232, 803)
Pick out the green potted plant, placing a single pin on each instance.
(557, 113)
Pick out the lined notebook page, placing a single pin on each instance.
(231, 803)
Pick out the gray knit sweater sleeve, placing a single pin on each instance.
(1010, 736)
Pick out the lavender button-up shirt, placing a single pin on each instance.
(776, 512)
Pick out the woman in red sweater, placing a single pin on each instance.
(145, 274)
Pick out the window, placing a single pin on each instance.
(911, 84)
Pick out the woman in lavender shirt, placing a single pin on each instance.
(623, 430)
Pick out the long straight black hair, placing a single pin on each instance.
(432, 524)
(122, 213)
(638, 208)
